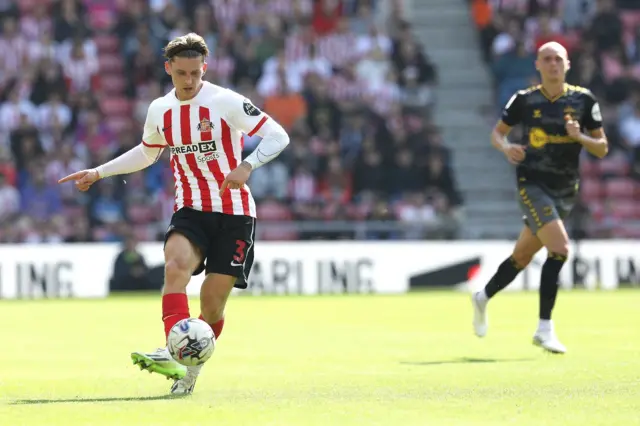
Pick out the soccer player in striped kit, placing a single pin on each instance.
(213, 227)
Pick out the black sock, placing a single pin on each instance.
(549, 283)
(506, 273)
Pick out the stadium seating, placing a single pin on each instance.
(124, 38)
(610, 188)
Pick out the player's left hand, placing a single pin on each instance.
(236, 178)
(572, 127)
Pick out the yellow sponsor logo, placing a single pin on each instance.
(539, 138)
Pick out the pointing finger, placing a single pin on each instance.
(73, 176)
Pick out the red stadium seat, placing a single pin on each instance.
(589, 168)
(140, 213)
(100, 233)
(118, 124)
(121, 5)
(110, 63)
(620, 189)
(106, 43)
(144, 233)
(596, 210)
(74, 211)
(591, 190)
(626, 232)
(625, 210)
(614, 165)
(112, 84)
(115, 107)
(27, 6)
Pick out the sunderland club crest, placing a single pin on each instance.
(205, 125)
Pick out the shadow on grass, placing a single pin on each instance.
(85, 400)
(466, 360)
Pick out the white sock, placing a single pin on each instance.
(545, 325)
(481, 297)
(195, 369)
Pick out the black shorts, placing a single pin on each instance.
(225, 241)
(540, 206)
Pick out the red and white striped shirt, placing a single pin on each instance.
(204, 135)
(342, 89)
(227, 12)
(338, 48)
(222, 67)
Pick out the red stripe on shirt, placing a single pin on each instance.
(185, 134)
(150, 145)
(227, 145)
(214, 167)
(184, 183)
(258, 126)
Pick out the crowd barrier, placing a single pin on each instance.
(84, 270)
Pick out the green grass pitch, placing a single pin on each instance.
(335, 360)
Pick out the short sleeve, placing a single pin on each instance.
(243, 115)
(512, 112)
(151, 136)
(592, 118)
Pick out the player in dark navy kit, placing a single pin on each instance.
(558, 120)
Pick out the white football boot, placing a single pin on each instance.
(159, 362)
(545, 337)
(480, 319)
(185, 385)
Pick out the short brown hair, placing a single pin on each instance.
(187, 46)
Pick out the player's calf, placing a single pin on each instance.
(181, 260)
(526, 247)
(554, 236)
(213, 298)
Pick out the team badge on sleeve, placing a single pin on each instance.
(250, 109)
(595, 112)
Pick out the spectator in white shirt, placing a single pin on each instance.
(374, 68)
(375, 38)
(312, 63)
(53, 113)
(13, 109)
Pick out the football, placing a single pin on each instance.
(191, 342)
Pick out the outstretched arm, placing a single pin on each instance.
(135, 159)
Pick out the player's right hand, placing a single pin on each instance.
(514, 153)
(84, 179)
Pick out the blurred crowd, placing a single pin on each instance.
(603, 41)
(346, 78)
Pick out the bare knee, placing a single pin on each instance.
(554, 237)
(177, 274)
(181, 259)
(561, 248)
